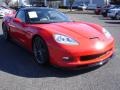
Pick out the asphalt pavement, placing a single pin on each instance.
(19, 72)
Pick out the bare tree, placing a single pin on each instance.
(7, 2)
(71, 4)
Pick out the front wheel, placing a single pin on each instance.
(5, 32)
(40, 51)
(117, 17)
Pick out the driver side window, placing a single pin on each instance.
(21, 15)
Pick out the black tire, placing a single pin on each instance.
(104, 14)
(113, 18)
(117, 16)
(40, 51)
(5, 32)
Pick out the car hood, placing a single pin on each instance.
(74, 29)
(116, 9)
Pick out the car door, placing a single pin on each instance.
(19, 31)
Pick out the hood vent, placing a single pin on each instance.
(94, 38)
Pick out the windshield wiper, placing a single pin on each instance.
(40, 22)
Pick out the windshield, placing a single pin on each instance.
(46, 16)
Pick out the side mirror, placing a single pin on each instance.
(17, 20)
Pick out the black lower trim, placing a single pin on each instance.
(95, 64)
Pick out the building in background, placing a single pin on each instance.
(15, 3)
(0, 1)
(97, 2)
(56, 3)
(49, 3)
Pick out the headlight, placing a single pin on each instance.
(65, 40)
(107, 34)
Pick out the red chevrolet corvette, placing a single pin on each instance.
(53, 38)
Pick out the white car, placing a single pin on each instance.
(82, 7)
(112, 13)
(5, 11)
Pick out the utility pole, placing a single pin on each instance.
(64, 2)
(91, 1)
(45, 2)
(107, 2)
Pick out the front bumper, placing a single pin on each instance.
(78, 58)
(94, 64)
(110, 14)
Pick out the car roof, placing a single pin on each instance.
(35, 8)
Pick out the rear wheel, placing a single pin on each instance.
(5, 32)
(104, 14)
(40, 51)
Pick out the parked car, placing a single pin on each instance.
(53, 38)
(98, 10)
(118, 15)
(82, 7)
(112, 13)
(5, 11)
(105, 9)
(92, 6)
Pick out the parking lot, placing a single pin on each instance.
(19, 72)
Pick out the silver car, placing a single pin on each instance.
(112, 13)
